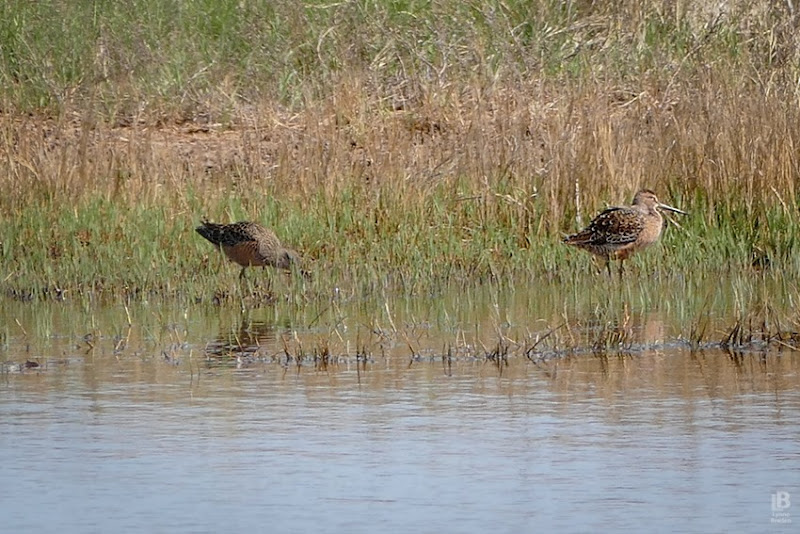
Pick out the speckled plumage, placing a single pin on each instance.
(618, 232)
(249, 244)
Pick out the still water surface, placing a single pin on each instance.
(155, 433)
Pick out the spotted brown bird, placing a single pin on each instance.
(618, 232)
(249, 244)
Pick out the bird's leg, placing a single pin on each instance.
(242, 287)
(608, 265)
(269, 281)
(621, 268)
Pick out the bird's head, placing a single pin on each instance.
(648, 198)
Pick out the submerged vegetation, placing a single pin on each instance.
(399, 146)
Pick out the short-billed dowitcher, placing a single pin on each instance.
(249, 244)
(618, 232)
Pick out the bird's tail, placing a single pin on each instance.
(211, 231)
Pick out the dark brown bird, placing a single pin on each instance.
(618, 232)
(249, 244)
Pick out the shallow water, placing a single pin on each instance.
(204, 420)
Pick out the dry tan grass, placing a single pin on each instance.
(569, 148)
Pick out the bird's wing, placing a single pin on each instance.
(615, 226)
(240, 232)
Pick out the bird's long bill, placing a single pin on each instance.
(670, 208)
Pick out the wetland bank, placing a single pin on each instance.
(426, 160)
